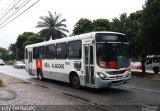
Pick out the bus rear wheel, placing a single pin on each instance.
(156, 70)
(40, 76)
(75, 81)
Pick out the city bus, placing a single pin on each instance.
(95, 59)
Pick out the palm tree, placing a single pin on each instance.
(52, 26)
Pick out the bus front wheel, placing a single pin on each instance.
(75, 81)
(39, 74)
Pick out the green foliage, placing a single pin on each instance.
(151, 30)
(101, 25)
(134, 32)
(12, 50)
(33, 39)
(83, 26)
(52, 27)
(24, 39)
(3, 52)
(119, 24)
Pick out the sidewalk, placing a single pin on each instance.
(18, 92)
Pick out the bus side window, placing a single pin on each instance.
(61, 51)
(156, 59)
(26, 53)
(35, 53)
(50, 51)
(149, 61)
(75, 50)
(42, 52)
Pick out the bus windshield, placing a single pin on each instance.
(112, 55)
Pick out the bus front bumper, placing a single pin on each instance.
(114, 82)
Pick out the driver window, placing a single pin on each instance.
(149, 61)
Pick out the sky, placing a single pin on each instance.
(71, 10)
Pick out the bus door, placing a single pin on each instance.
(89, 64)
(30, 62)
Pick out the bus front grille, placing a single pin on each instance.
(116, 72)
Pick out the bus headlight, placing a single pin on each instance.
(102, 76)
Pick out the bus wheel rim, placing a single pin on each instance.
(75, 81)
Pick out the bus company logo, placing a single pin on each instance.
(60, 66)
(117, 76)
(46, 65)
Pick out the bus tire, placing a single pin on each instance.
(75, 82)
(156, 70)
(40, 75)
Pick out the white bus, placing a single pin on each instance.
(96, 59)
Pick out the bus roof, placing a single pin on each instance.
(72, 38)
(152, 56)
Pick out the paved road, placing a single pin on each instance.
(139, 92)
(18, 73)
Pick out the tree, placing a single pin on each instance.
(25, 39)
(3, 53)
(134, 32)
(22, 38)
(12, 51)
(52, 26)
(119, 24)
(83, 26)
(35, 38)
(151, 30)
(101, 25)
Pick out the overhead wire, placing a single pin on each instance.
(20, 14)
(9, 10)
(9, 6)
(15, 11)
